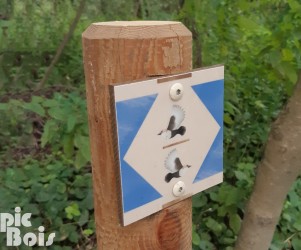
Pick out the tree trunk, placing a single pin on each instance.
(118, 52)
(277, 171)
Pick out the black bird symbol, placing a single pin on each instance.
(174, 166)
(174, 128)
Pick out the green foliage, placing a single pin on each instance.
(261, 53)
(30, 41)
(217, 212)
(64, 120)
(56, 189)
(33, 33)
(58, 196)
(288, 232)
(44, 143)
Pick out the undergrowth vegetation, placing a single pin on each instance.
(44, 144)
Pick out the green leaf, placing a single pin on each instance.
(199, 201)
(88, 232)
(288, 70)
(214, 226)
(296, 242)
(37, 99)
(35, 107)
(196, 240)
(297, 225)
(50, 103)
(57, 113)
(259, 104)
(87, 203)
(72, 210)
(65, 231)
(241, 175)
(16, 103)
(247, 23)
(230, 195)
(287, 217)
(71, 122)
(81, 180)
(32, 208)
(3, 106)
(83, 219)
(227, 119)
(227, 241)
(49, 132)
(11, 184)
(61, 187)
(287, 54)
(294, 198)
(250, 26)
(83, 143)
(294, 5)
(80, 160)
(43, 196)
(73, 236)
(68, 146)
(274, 57)
(235, 222)
(230, 108)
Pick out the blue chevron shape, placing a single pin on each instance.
(130, 114)
(212, 95)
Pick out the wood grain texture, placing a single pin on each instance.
(118, 52)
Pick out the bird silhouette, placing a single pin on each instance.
(175, 120)
(174, 166)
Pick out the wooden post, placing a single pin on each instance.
(115, 52)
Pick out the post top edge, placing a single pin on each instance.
(135, 23)
(135, 30)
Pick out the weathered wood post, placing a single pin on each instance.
(115, 52)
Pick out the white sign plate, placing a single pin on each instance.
(170, 139)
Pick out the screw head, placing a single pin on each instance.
(179, 188)
(176, 91)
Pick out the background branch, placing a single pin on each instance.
(62, 45)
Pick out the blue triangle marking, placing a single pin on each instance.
(130, 114)
(213, 162)
(212, 95)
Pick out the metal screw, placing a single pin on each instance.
(176, 91)
(179, 188)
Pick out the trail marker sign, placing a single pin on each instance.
(170, 139)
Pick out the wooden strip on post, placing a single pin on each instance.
(118, 52)
(175, 143)
(172, 78)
